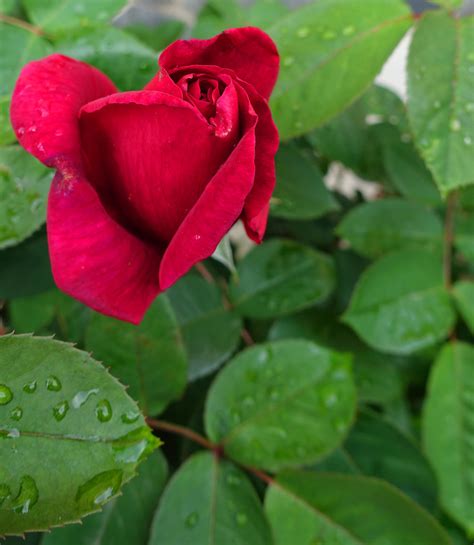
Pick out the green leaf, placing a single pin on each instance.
(25, 269)
(450, 4)
(400, 304)
(331, 50)
(281, 404)
(448, 430)
(464, 297)
(300, 193)
(210, 332)
(280, 277)
(377, 227)
(24, 186)
(440, 102)
(69, 434)
(59, 17)
(308, 508)
(464, 233)
(209, 500)
(129, 63)
(20, 46)
(126, 519)
(149, 358)
(379, 449)
(223, 254)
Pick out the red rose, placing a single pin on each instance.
(148, 182)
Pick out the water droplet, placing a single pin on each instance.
(96, 491)
(302, 32)
(13, 433)
(30, 387)
(43, 112)
(467, 140)
(81, 397)
(39, 146)
(5, 493)
(134, 446)
(288, 61)
(103, 411)
(6, 395)
(329, 35)
(16, 413)
(58, 132)
(60, 410)
(53, 384)
(21, 131)
(191, 520)
(197, 237)
(33, 128)
(455, 125)
(27, 496)
(130, 417)
(241, 519)
(348, 30)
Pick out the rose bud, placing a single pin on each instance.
(148, 182)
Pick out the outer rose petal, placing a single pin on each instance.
(218, 208)
(248, 51)
(45, 104)
(94, 259)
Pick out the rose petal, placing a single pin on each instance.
(150, 155)
(249, 52)
(218, 208)
(94, 259)
(46, 100)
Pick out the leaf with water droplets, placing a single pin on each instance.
(209, 501)
(330, 508)
(24, 185)
(400, 304)
(149, 358)
(61, 406)
(333, 60)
(281, 404)
(280, 277)
(440, 97)
(448, 430)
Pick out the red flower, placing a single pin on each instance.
(148, 182)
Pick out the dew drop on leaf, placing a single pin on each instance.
(96, 491)
(103, 411)
(30, 387)
(81, 397)
(5, 492)
(16, 413)
(130, 417)
(53, 384)
(60, 410)
(27, 496)
(6, 395)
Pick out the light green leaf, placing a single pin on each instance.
(148, 358)
(280, 277)
(448, 430)
(400, 304)
(377, 227)
(210, 501)
(60, 17)
(69, 434)
(331, 50)
(129, 63)
(300, 193)
(281, 404)
(126, 519)
(308, 508)
(210, 332)
(24, 186)
(464, 296)
(440, 98)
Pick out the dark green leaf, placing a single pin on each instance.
(281, 404)
(280, 277)
(148, 358)
(464, 296)
(210, 501)
(400, 304)
(59, 411)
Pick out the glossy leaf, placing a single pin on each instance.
(331, 51)
(464, 296)
(400, 304)
(24, 186)
(59, 405)
(440, 101)
(305, 508)
(281, 404)
(300, 192)
(210, 501)
(377, 227)
(210, 332)
(126, 519)
(449, 407)
(280, 277)
(149, 358)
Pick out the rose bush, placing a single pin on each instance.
(148, 182)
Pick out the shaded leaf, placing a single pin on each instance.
(464, 296)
